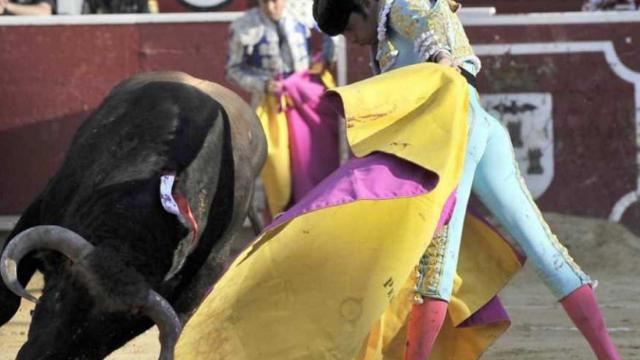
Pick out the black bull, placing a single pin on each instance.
(114, 261)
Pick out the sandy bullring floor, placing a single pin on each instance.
(540, 329)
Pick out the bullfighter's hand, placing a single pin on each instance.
(318, 67)
(445, 59)
(274, 86)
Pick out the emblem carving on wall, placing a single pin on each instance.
(202, 5)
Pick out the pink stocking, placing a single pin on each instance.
(582, 308)
(424, 325)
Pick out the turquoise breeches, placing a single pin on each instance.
(491, 172)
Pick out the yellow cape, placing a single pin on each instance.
(276, 173)
(335, 283)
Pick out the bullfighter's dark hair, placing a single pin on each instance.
(332, 16)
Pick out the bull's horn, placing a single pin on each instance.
(48, 237)
(163, 315)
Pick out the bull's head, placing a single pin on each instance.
(77, 249)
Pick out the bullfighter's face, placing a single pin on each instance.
(362, 28)
(273, 9)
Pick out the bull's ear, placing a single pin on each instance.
(103, 274)
(113, 285)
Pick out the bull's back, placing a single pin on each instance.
(139, 132)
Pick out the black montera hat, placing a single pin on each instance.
(332, 16)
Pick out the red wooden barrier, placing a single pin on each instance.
(566, 85)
